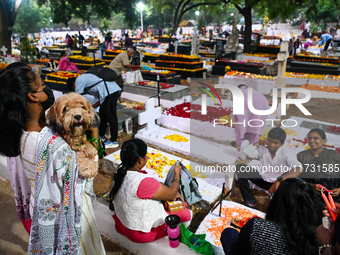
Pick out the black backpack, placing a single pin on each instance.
(107, 74)
(104, 73)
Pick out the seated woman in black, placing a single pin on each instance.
(289, 228)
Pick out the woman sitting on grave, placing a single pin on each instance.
(136, 197)
(65, 64)
(290, 227)
(320, 165)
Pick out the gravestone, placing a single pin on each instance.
(231, 45)
(195, 44)
(4, 50)
(150, 115)
(176, 46)
(282, 57)
(219, 50)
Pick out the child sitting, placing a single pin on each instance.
(275, 161)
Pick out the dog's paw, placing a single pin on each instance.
(90, 151)
(87, 167)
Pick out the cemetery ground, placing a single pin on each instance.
(14, 239)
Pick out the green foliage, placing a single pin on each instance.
(27, 20)
(27, 49)
(63, 11)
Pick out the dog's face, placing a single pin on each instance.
(72, 114)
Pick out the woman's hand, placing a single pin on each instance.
(179, 196)
(324, 235)
(335, 192)
(315, 186)
(336, 210)
(178, 170)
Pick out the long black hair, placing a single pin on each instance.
(15, 84)
(131, 151)
(297, 207)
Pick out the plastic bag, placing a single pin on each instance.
(195, 242)
(133, 77)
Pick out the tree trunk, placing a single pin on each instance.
(5, 31)
(246, 12)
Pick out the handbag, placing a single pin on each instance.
(196, 242)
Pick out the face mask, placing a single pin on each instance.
(50, 100)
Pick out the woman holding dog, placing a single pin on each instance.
(23, 102)
(139, 212)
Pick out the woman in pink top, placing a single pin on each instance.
(136, 198)
(65, 64)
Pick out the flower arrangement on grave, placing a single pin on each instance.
(158, 162)
(250, 75)
(163, 72)
(84, 58)
(43, 60)
(262, 55)
(133, 105)
(215, 226)
(242, 62)
(180, 62)
(179, 56)
(259, 61)
(54, 81)
(334, 129)
(313, 76)
(163, 85)
(146, 54)
(114, 51)
(176, 138)
(3, 65)
(193, 111)
(63, 75)
(183, 69)
(321, 88)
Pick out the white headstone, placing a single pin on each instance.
(176, 46)
(282, 57)
(4, 50)
(150, 114)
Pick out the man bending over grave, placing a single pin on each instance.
(275, 160)
(122, 63)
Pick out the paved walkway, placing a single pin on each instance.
(13, 236)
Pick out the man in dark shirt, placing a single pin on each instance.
(128, 41)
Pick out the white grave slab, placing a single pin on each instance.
(165, 103)
(208, 150)
(321, 94)
(261, 85)
(305, 80)
(199, 128)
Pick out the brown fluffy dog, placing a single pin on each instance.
(71, 116)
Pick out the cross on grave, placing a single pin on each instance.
(282, 57)
(150, 115)
(176, 46)
(4, 50)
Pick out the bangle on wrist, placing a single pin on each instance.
(176, 180)
(323, 247)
